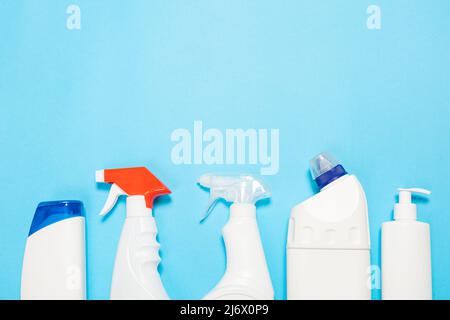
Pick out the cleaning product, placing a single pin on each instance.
(135, 275)
(54, 263)
(405, 252)
(328, 246)
(246, 276)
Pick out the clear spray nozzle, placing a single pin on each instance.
(232, 188)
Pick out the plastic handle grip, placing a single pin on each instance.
(136, 273)
(247, 275)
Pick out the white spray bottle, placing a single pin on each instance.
(135, 275)
(328, 247)
(246, 276)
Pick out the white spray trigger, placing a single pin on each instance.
(215, 196)
(209, 208)
(234, 188)
(114, 193)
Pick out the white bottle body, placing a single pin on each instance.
(135, 275)
(328, 274)
(54, 264)
(247, 276)
(328, 248)
(406, 260)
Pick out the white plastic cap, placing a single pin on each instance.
(405, 209)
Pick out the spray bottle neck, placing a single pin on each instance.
(136, 207)
(242, 211)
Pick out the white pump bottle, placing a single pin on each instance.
(406, 253)
(247, 275)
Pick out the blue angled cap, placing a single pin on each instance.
(51, 212)
(325, 169)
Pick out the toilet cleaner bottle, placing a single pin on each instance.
(406, 252)
(328, 246)
(247, 275)
(135, 275)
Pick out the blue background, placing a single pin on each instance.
(110, 94)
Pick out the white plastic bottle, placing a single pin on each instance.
(406, 253)
(54, 263)
(135, 275)
(328, 246)
(246, 276)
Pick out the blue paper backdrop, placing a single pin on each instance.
(111, 94)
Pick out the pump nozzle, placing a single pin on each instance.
(130, 181)
(233, 188)
(405, 209)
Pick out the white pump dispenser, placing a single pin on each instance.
(246, 276)
(406, 253)
(405, 209)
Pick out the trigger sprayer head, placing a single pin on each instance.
(131, 182)
(232, 188)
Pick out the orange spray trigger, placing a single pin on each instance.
(131, 182)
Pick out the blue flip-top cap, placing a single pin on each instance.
(50, 212)
(325, 169)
